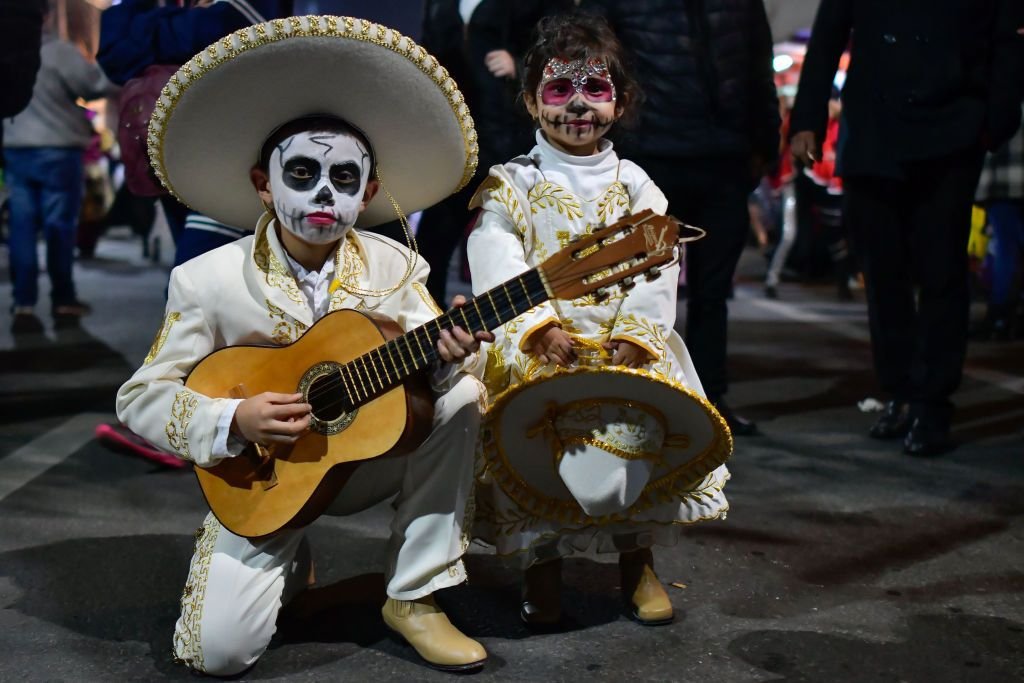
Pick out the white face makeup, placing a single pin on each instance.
(576, 102)
(317, 181)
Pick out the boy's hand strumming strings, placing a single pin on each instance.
(552, 344)
(272, 418)
(455, 344)
(628, 354)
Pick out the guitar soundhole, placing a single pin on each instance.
(323, 388)
(321, 393)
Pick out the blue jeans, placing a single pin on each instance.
(1006, 217)
(45, 185)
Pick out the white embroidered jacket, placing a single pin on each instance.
(532, 207)
(245, 293)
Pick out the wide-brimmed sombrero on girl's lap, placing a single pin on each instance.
(219, 108)
(627, 413)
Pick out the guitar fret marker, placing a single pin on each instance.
(526, 292)
(462, 312)
(490, 299)
(376, 372)
(391, 356)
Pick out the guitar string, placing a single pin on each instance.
(504, 311)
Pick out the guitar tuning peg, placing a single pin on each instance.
(627, 282)
(653, 273)
(601, 293)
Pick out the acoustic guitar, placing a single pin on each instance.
(363, 377)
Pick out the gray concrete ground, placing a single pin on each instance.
(841, 559)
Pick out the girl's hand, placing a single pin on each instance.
(628, 354)
(500, 63)
(272, 418)
(455, 344)
(552, 344)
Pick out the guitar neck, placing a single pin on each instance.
(373, 373)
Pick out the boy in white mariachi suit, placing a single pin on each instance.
(314, 112)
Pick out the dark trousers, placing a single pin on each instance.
(711, 194)
(911, 237)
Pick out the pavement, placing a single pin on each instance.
(841, 559)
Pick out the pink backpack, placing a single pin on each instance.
(138, 99)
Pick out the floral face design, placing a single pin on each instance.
(576, 101)
(317, 181)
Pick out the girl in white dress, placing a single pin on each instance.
(576, 87)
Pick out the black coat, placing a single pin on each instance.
(926, 79)
(705, 67)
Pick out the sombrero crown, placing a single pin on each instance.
(218, 109)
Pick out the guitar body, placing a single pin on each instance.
(254, 496)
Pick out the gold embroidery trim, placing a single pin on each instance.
(161, 336)
(276, 273)
(427, 299)
(251, 37)
(546, 194)
(187, 635)
(182, 410)
(286, 329)
(504, 194)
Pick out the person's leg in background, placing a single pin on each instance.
(61, 201)
(873, 210)
(710, 267)
(1007, 220)
(440, 232)
(23, 203)
(787, 235)
(943, 192)
(176, 213)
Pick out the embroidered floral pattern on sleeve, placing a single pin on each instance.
(182, 410)
(161, 336)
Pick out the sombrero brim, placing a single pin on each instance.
(520, 457)
(219, 108)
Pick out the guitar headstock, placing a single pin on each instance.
(637, 244)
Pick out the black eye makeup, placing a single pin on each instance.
(346, 176)
(301, 173)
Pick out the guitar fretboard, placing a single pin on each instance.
(373, 373)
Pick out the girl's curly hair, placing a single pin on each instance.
(582, 36)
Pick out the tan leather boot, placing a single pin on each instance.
(542, 594)
(645, 596)
(425, 626)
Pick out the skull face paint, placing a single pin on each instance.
(576, 102)
(317, 180)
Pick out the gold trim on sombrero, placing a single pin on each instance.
(677, 483)
(245, 39)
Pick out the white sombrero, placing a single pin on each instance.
(218, 109)
(628, 413)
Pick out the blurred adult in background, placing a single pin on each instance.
(707, 133)
(21, 23)
(1001, 192)
(481, 43)
(43, 147)
(136, 34)
(930, 86)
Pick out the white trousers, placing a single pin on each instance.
(236, 586)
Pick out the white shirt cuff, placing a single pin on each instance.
(226, 444)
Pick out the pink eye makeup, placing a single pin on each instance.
(563, 78)
(559, 91)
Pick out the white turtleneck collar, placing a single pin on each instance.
(604, 156)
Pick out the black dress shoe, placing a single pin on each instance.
(928, 438)
(738, 425)
(894, 422)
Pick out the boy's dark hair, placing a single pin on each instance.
(322, 123)
(581, 36)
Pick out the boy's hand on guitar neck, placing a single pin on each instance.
(456, 344)
(272, 418)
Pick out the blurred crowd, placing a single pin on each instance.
(890, 164)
